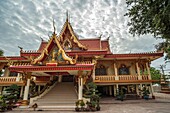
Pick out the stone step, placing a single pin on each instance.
(59, 100)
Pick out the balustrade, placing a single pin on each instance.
(8, 79)
(105, 78)
(128, 77)
(111, 78)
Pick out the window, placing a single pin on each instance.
(123, 70)
(101, 70)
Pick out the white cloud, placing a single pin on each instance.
(22, 22)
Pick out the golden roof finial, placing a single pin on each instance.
(54, 26)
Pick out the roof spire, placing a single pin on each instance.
(67, 16)
(54, 26)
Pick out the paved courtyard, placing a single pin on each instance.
(109, 105)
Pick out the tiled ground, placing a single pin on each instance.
(150, 106)
(109, 105)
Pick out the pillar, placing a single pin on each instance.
(18, 77)
(114, 90)
(138, 71)
(116, 73)
(6, 72)
(110, 90)
(151, 89)
(148, 70)
(94, 69)
(117, 88)
(21, 91)
(1, 90)
(26, 91)
(80, 87)
(59, 78)
(137, 89)
(39, 89)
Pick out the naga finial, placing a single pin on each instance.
(42, 39)
(20, 48)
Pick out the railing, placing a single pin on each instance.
(145, 77)
(128, 77)
(8, 79)
(105, 78)
(111, 78)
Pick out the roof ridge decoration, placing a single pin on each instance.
(73, 38)
(46, 52)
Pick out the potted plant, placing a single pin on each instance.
(77, 106)
(82, 104)
(145, 93)
(88, 106)
(120, 95)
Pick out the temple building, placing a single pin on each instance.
(61, 66)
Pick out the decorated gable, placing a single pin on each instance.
(53, 54)
(69, 40)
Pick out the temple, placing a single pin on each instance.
(63, 65)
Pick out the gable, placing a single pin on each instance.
(53, 53)
(69, 40)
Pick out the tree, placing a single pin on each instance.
(150, 17)
(166, 47)
(1, 54)
(155, 74)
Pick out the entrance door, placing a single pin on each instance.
(67, 78)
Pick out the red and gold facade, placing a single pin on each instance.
(66, 54)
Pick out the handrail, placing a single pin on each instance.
(8, 79)
(42, 93)
(145, 77)
(128, 77)
(107, 78)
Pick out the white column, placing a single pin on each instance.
(59, 78)
(138, 71)
(110, 90)
(137, 89)
(21, 91)
(151, 88)
(116, 73)
(26, 91)
(94, 69)
(80, 83)
(18, 77)
(115, 90)
(148, 70)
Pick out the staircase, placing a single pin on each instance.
(61, 97)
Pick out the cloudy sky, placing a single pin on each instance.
(23, 22)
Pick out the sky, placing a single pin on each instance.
(23, 22)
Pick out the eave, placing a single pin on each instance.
(50, 68)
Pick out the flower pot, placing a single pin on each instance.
(146, 97)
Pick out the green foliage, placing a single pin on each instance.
(149, 16)
(164, 46)
(145, 91)
(92, 93)
(155, 74)
(1, 52)
(11, 95)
